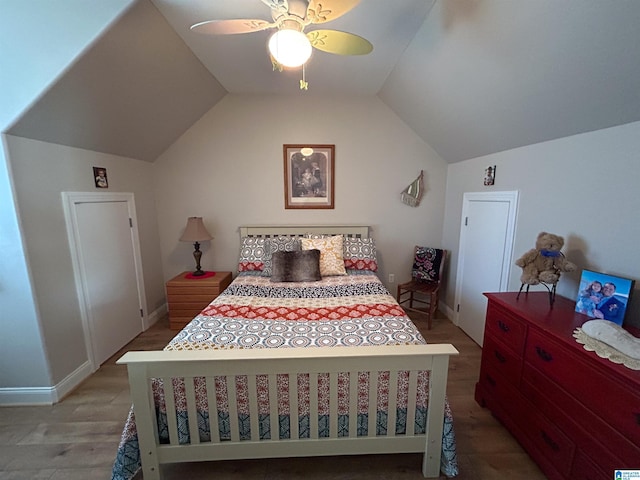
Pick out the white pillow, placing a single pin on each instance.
(614, 336)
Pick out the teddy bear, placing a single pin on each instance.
(545, 263)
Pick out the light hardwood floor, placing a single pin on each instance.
(77, 438)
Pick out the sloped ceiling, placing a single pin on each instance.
(133, 93)
(241, 62)
(490, 75)
(471, 77)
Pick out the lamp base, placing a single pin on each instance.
(198, 273)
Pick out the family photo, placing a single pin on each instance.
(603, 296)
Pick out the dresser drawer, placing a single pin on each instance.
(616, 404)
(509, 405)
(554, 446)
(592, 434)
(501, 359)
(585, 469)
(505, 328)
(496, 386)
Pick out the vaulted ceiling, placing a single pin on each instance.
(471, 77)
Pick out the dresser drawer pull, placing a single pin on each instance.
(543, 354)
(499, 356)
(549, 441)
(503, 326)
(490, 380)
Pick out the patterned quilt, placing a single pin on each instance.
(254, 312)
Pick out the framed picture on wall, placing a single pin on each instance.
(100, 177)
(490, 175)
(309, 176)
(603, 296)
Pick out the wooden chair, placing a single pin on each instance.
(426, 277)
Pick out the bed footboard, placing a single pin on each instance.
(343, 434)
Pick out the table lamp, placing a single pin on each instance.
(196, 232)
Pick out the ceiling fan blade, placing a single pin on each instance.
(321, 11)
(278, 5)
(340, 43)
(231, 27)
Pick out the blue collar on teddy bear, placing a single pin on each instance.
(550, 253)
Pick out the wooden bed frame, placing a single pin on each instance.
(143, 367)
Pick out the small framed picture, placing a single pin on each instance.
(490, 175)
(309, 176)
(100, 177)
(603, 296)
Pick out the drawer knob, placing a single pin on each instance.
(503, 326)
(490, 380)
(549, 441)
(499, 356)
(543, 354)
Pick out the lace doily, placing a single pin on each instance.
(605, 351)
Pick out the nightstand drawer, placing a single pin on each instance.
(187, 297)
(179, 311)
(203, 299)
(178, 323)
(194, 289)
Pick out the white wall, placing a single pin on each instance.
(38, 40)
(41, 171)
(228, 168)
(583, 187)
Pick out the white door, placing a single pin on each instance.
(108, 274)
(485, 254)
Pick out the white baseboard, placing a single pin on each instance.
(447, 312)
(24, 396)
(45, 395)
(154, 316)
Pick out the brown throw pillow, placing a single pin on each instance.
(298, 266)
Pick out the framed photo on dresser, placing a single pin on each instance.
(603, 296)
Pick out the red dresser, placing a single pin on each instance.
(576, 414)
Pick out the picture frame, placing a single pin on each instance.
(490, 175)
(309, 176)
(593, 291)
(100, 177)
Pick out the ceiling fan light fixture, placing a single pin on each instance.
(290, 48)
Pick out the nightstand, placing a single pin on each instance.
(187, 297)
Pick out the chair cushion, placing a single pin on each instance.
(426, 264)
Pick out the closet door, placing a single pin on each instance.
(108, 276)
(486, 245)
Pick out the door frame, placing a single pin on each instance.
(510, 197)
(69, 202)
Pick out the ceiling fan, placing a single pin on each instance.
(290, 46)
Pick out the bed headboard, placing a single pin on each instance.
(358, 231)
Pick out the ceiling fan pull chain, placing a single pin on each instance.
(304, 85)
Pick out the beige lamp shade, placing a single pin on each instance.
(195, 231)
